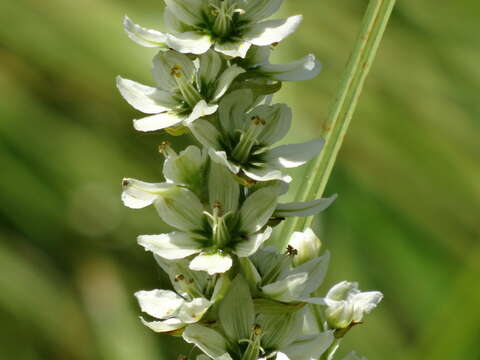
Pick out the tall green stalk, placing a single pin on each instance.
(336, 126)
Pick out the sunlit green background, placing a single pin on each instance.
(407, 218)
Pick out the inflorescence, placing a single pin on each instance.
(234, 297)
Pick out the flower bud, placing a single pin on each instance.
(306, 244)
(346, 304)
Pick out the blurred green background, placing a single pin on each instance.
(408, 178)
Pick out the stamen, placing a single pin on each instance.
(220, 230)
(242, 151)
(187, 285)
(257, 330)
(253, 349)
(291, 251)
(165, 149)
(223, 15)
(258, 121)
(190, 94)
(176, 71)
(217, 208)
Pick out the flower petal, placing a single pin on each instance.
(288, 289)
(143, 36)
(261, 9)
(220, 157)
(314, 301)
(173, 24)
(209, 69)
(280, 329)
(343, 290)
(212, 263)
(163, 326)
(365, 302)
(266, 174)
(303, 69)
(138, 194)
(307, 245)
(197, 281)
(310, 346)
(225, 80)
(233, 109)
(175, 245)
(308, 208)
(164, 62)
(208, 340)
(158, 122)
(317, 270)
(257, 209)
(181, 209)
(339, 314)
(281, 356)
(189, 42)
(223, 188)
(187, 11)
(237, 321)
(200, 110)
(186, 168)
(191, 312)
(290, 156)
(146, 99)
(272, 31)
(237, 49)
(252, 244)
(278, 119)
(206, 133)
(256, 56)
(159, 303)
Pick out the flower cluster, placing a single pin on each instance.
(234, 296)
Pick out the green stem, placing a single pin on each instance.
(335, 128)
(328, 355)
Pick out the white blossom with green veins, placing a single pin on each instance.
(243, 140)
(185, 90)
(231, 27)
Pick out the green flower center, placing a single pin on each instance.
(241, 152)
(223, 18)
(189, 92)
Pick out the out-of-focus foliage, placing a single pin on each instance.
(406, 222)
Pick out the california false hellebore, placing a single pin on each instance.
(234, 297)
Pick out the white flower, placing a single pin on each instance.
(278, 277)
(346, 304)
(195, 292)
(213, 231)
(306, 246)
(248, 133)
(267, 336)
(185, 90)
(172, 311)
(230, 26)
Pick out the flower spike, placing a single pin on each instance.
(235, 296)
